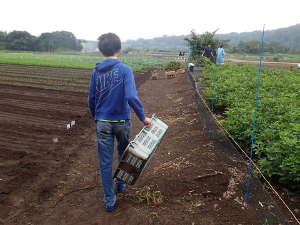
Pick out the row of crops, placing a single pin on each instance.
(277, 147)
(76, 61)
(54, 78)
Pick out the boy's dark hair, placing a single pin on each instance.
(109, 44)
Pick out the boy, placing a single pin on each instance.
(112, 93)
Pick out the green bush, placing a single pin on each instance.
(202, 61)
(198, 42)
(173, 65)
(277, 144)
(277, 58)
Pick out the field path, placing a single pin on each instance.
(200, 182)
(256, 62)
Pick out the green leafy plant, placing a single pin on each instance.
(202, 61)
(173, 65)
(277, 144)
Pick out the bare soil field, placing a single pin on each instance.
(34, 140)
(49, 175)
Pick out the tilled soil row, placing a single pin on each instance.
(43, 70)
(35, 145)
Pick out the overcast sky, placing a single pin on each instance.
(132, 19)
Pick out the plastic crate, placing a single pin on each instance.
(140, 151)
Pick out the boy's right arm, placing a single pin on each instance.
(133, 99)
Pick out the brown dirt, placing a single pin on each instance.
(50, 78)
(47, 183)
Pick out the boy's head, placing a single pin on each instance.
(109, 44)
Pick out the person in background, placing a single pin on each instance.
(208, 52)
(220, 55)
(112, 94)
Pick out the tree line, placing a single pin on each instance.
(168, 43)
(50, 41)
(284, 40)
(252, 47)
(288, 36)
(198, 42)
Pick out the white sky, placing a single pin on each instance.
(131, 19)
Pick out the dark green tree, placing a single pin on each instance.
(58, 40)
(46, 42)
(276, 47)
(251, 47)
(3, 36)
(20, 40)
(198, 42)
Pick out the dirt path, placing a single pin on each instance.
(198, 181)
(256, 62)
(283, 65)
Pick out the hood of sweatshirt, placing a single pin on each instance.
(107, 64)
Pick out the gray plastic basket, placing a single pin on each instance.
(140, 151)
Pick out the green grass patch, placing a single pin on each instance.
(75, 60)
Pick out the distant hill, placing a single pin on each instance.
(289, 36)
(164, 43)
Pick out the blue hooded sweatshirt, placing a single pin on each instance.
(112, 92)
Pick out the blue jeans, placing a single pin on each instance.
(106, 132)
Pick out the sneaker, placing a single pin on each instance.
(110, 208)
(121, 188)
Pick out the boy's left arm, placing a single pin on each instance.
(91, 95)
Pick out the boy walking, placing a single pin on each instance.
(112, 94)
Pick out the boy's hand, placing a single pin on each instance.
(147, 122)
